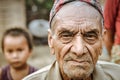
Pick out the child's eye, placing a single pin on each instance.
(19, 50)
(10, 51)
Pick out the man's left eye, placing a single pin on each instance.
(90, 37)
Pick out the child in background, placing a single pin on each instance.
(17, 47)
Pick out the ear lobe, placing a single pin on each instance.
(104, 31)
(104, 34)
(50, 42)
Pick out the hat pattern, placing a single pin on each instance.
(59, 3)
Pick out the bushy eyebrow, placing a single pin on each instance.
(95, 31)
(67, 32)
(63, 29)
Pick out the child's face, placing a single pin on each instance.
(16, 51)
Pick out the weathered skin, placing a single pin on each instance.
(76, 40)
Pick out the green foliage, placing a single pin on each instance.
(40, 3)
(38, 9)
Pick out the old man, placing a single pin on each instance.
(75, 38)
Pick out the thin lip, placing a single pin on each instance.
(79, 61)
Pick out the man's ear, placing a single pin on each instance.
(50, 42)
(104, 33)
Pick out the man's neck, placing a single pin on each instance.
(66, 78)
(89, 78)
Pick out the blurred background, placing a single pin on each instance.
(34, 15)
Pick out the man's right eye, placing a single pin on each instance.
(66, 37)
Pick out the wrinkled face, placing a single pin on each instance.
(76, 41)
(16, 51)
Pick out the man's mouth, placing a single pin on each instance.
(80, 60)
(76, 61)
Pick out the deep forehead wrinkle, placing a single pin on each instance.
(81, 25)
(76, 8)
(78, 20)
(73, 19)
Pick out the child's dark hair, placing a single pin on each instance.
(17, 31)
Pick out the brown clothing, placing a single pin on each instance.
(6, 72)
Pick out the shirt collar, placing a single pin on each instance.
(54, 73)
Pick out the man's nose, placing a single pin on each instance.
(78, 46)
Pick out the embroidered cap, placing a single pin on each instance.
(59, 3)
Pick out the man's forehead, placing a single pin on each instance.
(77, 24)
(78, 10)
(58, 4)
(85, 23)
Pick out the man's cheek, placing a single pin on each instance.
(93, 52)
(98, 48)
(97, 53)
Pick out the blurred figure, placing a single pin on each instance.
(112, 25)
(17, 48)
(0, 73)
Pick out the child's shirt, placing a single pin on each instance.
(6, 72)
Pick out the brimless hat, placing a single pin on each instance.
(59, 3)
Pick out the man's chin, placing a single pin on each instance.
(78, 75)
(77, 71)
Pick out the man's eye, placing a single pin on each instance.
(90, 37)
(66, 37)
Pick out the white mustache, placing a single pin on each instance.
(82, 59)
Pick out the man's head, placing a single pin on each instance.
(76, 39)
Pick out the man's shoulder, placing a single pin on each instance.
(111, 70)
(105, 64)
(38, 75)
